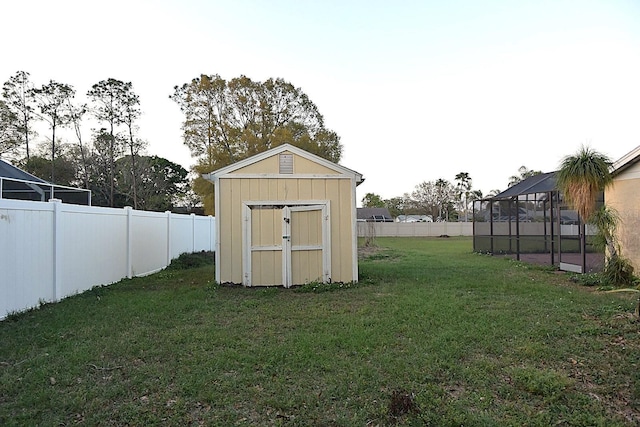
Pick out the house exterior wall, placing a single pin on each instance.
(310, 182)
(624, 197)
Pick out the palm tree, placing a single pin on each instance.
(524, 174)
(443, 194)
(581, 178)
(464, 186)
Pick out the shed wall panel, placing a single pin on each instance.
(226, 236)
(236, 228)
(304, 189)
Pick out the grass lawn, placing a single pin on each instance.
(432, 335)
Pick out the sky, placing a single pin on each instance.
(416, 90)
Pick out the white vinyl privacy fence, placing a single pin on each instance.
(414, 229)
(52, 250)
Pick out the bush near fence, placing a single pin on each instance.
(52, 250)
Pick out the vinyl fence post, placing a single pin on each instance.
(57, 249)
(129, 211)
(168, 238)
(212, 233)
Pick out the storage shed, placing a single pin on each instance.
(285, 217)
(624, 196)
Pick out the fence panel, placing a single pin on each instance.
(49, 251)
(149, 242)
(181, 234)
(92, 247)
(26, 264)
(204, 234)
(414, 229)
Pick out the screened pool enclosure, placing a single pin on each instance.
(18, 184)
(530, 222)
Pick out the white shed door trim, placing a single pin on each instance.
(286, 247)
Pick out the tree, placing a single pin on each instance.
(101, 166)
(371, 200)
(115, 103)
(76, 113)
(464, 187)
(227, 121)
(106, 109)
(131, 113)
(9, 133)
(396, 206)
(523, 173)
(40, 164)
(425, 198)
(159, 182)
(444, 197)
(18, 95)
(53, 100)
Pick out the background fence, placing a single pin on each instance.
(414, 229)
(52, 250)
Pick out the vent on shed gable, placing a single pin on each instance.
(286, 163)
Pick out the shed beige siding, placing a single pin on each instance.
(337, 191)
(624, 196)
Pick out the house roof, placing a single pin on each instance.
(367, 213)
(626, 161)
(280, 149)
(7, 170)
(19, 184)
(542, 183)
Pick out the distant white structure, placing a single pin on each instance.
(414, 218)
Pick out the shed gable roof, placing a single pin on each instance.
(246, 163)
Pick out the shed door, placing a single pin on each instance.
(307, 249)
(264, 264)
(286, 245)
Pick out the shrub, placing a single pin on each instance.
(194, 260)
(618, 272)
